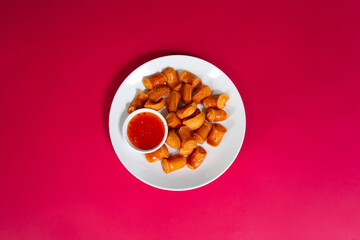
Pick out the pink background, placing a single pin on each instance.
(295, 64)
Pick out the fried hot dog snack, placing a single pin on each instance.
(154, 80)
(138, 102)
(186, 111)
(173, 163)
(218, 101)
(185, 151)
(203, 92)
(188, 77)
(186, 138)
(173, 120)
(155, 105)
(202, 133)
(196, 158)
(173, 139)
(172, 78)
(172, 101)
(195, 122)
(157, 93)
(161, 153)
(216, 115)
(186, 92)
(216, 135)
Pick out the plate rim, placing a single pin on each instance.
(206, 182)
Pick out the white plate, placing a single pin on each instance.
(218, 159)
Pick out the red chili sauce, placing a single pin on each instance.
(145, 131)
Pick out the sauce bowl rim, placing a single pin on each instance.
(136, 112)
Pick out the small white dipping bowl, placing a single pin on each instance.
(126, 123)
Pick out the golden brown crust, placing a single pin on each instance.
(157, 93)
(162, 152)
(156, 79)
(173, 139)
(218, 101)
(216, 135)
(155, 105)
(202, 133)
(195, 122)
(197, 112)
(186, 92)
(185, 152)
(186, 111)
(173, 163)
(203, 92)
(216, 115)
(196, 158)
(185, 136)
(172, 78)
(173, 120)
(172, 101)
(138, 102)
(188, 77)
